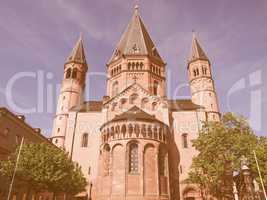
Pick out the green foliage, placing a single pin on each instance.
(221, 145)
(45, 167)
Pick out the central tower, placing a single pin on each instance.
(136, 59)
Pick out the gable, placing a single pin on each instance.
(134, 95)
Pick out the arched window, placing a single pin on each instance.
(197, 70)
(68, 73)
(155, 87)
(106, 160)
(144, 102)
(74, 73)
(115, 88)
(154, 105)
(204, 70)
(185, 140)
(133, 158)
(85, 140)
(162, 162)
(133, 98)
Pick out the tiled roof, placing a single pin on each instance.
(182, 104)
(89, 106)
(77, 53)
(136, 40)
(197, 53)
(135, 113)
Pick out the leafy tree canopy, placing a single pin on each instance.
(45, 167)
(221, 145)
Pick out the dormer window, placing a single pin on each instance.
(136, 49)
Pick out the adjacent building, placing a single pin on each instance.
(12, 129)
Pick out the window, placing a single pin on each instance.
(185, 140)
(5, 132)
(74, 73)
(85, 140)
(162, 162)
(18, 139)
(115, 88)
(58, 130)
(89, 170)
(133, 158)
(68, 73)
(144, 102)
(106, 160)
(133, 98)
(154, 105)
(155, 87)
(204, 70)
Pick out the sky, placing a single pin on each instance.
(37, 36)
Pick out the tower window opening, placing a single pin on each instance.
(133, 66)
(85, 140)
(68, 73)
(137, 66)
(141, 66)
(133, 158)
(185, 140)
(204, 70)
(129, 66)
(58, 130)
(197, 70)
(74, 73)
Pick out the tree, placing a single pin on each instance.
(45, 168)
(220, 146)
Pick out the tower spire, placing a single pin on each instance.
(77, 54)
(197, 52)
(136, 40)
(136, 9)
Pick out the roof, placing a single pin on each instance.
(197, 52)
(20, 120)
(77, 54)
(136, 114)
(183, 104)
(89, 106)
(136, 40)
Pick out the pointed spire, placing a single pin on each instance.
(77, 53)
(197, 53)
(136, 40)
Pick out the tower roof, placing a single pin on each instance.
(136, 40)
(197, 53)
(77, 53)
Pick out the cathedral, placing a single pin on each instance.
(135, 142)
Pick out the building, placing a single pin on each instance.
(135, 143)
(12, 129)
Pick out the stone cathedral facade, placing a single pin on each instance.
(135, 143)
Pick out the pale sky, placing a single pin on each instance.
(39, 35)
